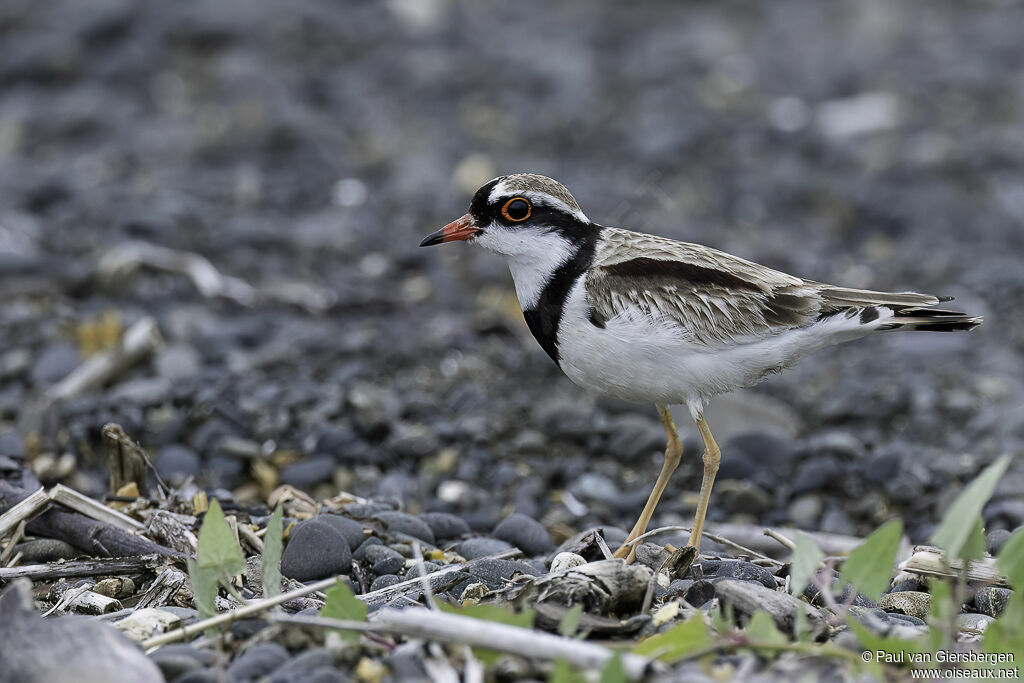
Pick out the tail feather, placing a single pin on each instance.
(911, 310)
(931, 320)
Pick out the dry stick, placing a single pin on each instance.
(771, 533)
(453, 628)
(22, 510)
(706, 534)
(80, 568)
(93, 509)
(8, 552)
(256, 606)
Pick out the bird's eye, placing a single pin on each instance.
(517, 209)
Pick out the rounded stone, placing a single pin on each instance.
(525, 533)
(175, 462)
(404, 523)
(912, 603)
(315, 550)
(256, 662)
(992, 600)
(716, 570)
(563, 561)
(996, 539)
(349, 528)
(389, 565)
(444, 525)
(473, 548)
(384, 582)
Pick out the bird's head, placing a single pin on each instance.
(519, 216)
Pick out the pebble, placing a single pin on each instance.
(175, 660)
(40, 550)
(992, 600)
(349, 528)
(912, 603)
(632, 435)
(296, 668)
(256, 662)
(389, 565)
(473, 548)
(651, 555)
(309, 472)
(176, 462)
(815, 475)
(384, 581)
(493, 573)
(54, 363)
(524, 533)
(974, 622)
(445, 526)
(716, 570)
(377, 552)
(404, 523)
(315, 550)
(563, 561)
(12, 444)
(996, 539)
(360, 552)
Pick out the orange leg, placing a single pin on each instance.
(673, 454)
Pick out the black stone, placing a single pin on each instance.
(315, 550)
(525, 533)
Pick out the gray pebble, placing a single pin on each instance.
(40, 550)
(444, 525)
(309, 472)
(389, 565)
(176, 462)
(256, 662)
(378, 553)
(996, 539)
(472, 548)
(403, 522)
(494, 573)
(364, 547)
(716, 570)
(992, 600)
(54, 363)
(384, 582)
(349, 528)
(315, 550)
(525, 533)
(309, 660)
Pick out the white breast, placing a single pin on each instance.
(646, 360)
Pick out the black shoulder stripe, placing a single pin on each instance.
(543, 319)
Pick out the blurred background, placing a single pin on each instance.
(241, 186)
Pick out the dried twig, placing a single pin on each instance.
(453, 628)
(79, 568)
(789, 544)
(706, 534)
(139, 340)
(21, 511)
(93, 509)
(445, 577)
(929, 561)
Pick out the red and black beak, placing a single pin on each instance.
(460, 229)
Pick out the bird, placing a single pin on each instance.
(649, 319)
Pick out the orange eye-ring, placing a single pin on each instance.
(517, 209)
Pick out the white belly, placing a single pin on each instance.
(637, 358)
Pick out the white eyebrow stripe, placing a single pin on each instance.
(536, 198)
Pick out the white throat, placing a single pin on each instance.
(533, 254)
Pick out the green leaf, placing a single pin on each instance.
(571, 621)
(807, 557)
(762, 629)
(958, 523)
(976, 544)
(677, 643)
(204, 587)
(1011, 560)
(941, 615)
(613, 671)
(271, 561)
(869, 567)
(1006, 635)
(218, 548)
(342, 604)
(563, 673)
